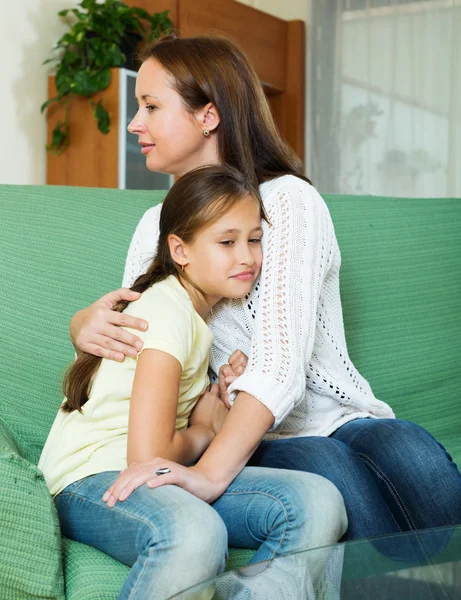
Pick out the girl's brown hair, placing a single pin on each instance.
(213, 69)
(197, 200)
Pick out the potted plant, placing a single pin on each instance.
(102, 36)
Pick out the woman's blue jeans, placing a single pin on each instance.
(393, 475)
(173, 540)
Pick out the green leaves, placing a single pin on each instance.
(45, 105)
(59, 138)
(91, 48)
(101, 116)
(160, 23)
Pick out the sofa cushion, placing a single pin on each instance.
(93, 575)
(90, 574)
(30, 541)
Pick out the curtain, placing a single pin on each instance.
(384, 97)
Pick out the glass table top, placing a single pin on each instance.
(420, 565)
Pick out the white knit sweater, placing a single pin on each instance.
(291, 324)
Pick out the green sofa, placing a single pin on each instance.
(61, 248)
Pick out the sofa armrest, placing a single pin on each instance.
(30, 540)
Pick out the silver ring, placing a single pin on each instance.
(162, 471)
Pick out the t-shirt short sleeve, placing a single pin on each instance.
(170, 316)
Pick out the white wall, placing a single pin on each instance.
(27, 36)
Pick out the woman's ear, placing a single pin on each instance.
(177, 250)
(208, 117)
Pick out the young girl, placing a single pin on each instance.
(117, 415)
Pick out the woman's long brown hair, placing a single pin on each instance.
(197, 200)
(213, 69)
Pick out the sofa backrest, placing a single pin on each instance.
(401, 295)
(61, 248)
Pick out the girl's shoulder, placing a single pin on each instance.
(164, 297)
(168, 289)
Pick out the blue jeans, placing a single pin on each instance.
(173, 540)
(393, 475)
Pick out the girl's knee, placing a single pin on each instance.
(188, 547)
(181, 523)
(324, 508)
(204, 534)
(313, 508)
(330, 510)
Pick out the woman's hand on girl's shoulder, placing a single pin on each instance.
(97, 328)
(209, 410)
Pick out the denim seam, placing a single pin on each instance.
(133, 590)
(402, 506)
(287, 519)
(391, 488)
(75, 486)
(114, 508)
(399, 501)
(379, 473)
(128, 514)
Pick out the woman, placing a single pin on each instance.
(200, 102)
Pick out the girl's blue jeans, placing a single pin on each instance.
(393, 475)
(173, 540)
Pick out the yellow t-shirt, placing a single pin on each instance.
(82, 444)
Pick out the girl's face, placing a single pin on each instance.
(170, 137)
(225, 258)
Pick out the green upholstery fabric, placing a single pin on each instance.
(91, 574)
(60, 248)
(401, 293)
(30, 542)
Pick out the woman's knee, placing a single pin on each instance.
(390, 440)
(321, 455)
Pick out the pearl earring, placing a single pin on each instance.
(206, 133)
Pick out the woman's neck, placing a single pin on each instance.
(206, 156)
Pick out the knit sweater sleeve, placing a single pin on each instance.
(143, 245)
(297, 253)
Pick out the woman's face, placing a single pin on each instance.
(170, 137)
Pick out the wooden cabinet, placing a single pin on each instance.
(276, 48)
